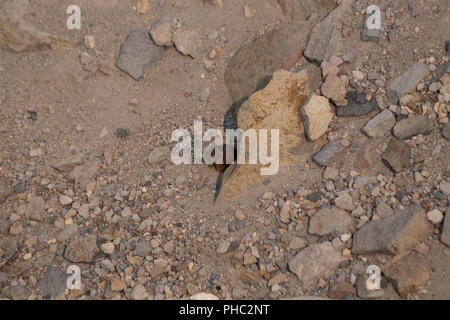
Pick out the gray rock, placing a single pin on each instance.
(329, 153)
(345, 201)
(445, 132)
(35, 209)
(393, 235)
(412, 126)
(69, 232)
(331, 173)
(445, 236)
(70, 162)
(252, 66)
(223, 247)
(380, 124)
(315, 262)
(326, 37)
(383, 210)
(82, 249)
(330, 221)
(357, 106)
(18, 292)
(444, 186)
(397, 155)
(297, 243)
(138, 53)
(303, 9)
(159, 154)
(362, 181)
(407, 82)
(82, 174)
(143, 249)
(53, 283)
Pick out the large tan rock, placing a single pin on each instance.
(274, 107)
(17, 35)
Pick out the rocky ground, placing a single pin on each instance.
(86, 118)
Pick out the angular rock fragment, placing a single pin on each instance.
(330, 153)
(138, 53)
(316, 116)
(35, 209)
(394, 235)
(407, 82)
(53, 283)
(188, 42)
(330, 221)
(412, 126)
(397, 155)
(334, 88)
(380, 124)
(445, 235)
(82, 249)
(446, 131)
(326, 37)
(252, 66)
(357, 106)
(315, 262)
(409, 274)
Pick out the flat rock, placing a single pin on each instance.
(143, 248)
(345, 201)
(315, 262)
(316, 116)
(67, 164)
(67, 233)
(162, 32)
(53, 283)
(444, 186)
(159, 154)
(188, 42)
(82, 174)
(409, 275)
(446, 131)
(326, 38)
(394, 235)
(380, 124)
(330, 153)
(357, 106)
(334, 88)
(251, 68)
(330, 221)
(82, 249)
(445, 235)
(397, 155)
(303, 9)
(138, 53)
(407, 82)
(35, 209)
(412, 126)
(362, 181)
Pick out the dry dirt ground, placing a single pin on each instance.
(169, 238)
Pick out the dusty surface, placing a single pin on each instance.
(51, 108)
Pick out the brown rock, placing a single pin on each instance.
(315, 262)
(395, 235)
(334, 88)
(274, 107)
(342, 289)
(409, 275)
(82, 249)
